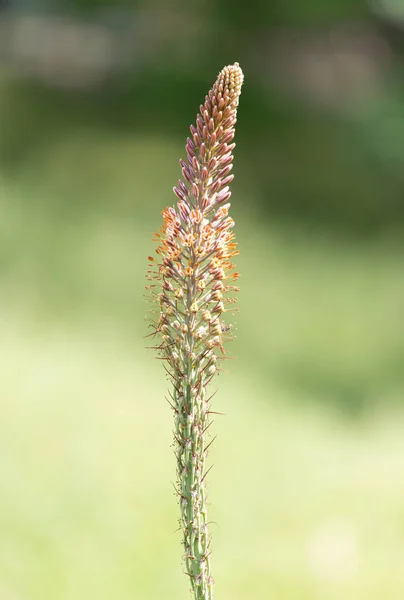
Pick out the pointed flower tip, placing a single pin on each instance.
(230, 79)
(235, 67)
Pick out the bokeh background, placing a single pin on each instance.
(307, 489)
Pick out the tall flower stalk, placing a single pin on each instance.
(191, 282)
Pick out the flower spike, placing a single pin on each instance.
(188, 283)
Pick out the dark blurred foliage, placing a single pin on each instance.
(258, 15)
(309, 160)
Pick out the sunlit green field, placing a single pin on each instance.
(307, 489)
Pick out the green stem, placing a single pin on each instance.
(192, 421)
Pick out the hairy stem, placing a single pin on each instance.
(192, 422)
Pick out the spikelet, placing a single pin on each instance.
(192, 282)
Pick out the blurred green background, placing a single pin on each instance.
(307, 489)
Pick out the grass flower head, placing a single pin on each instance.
(192, 283)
